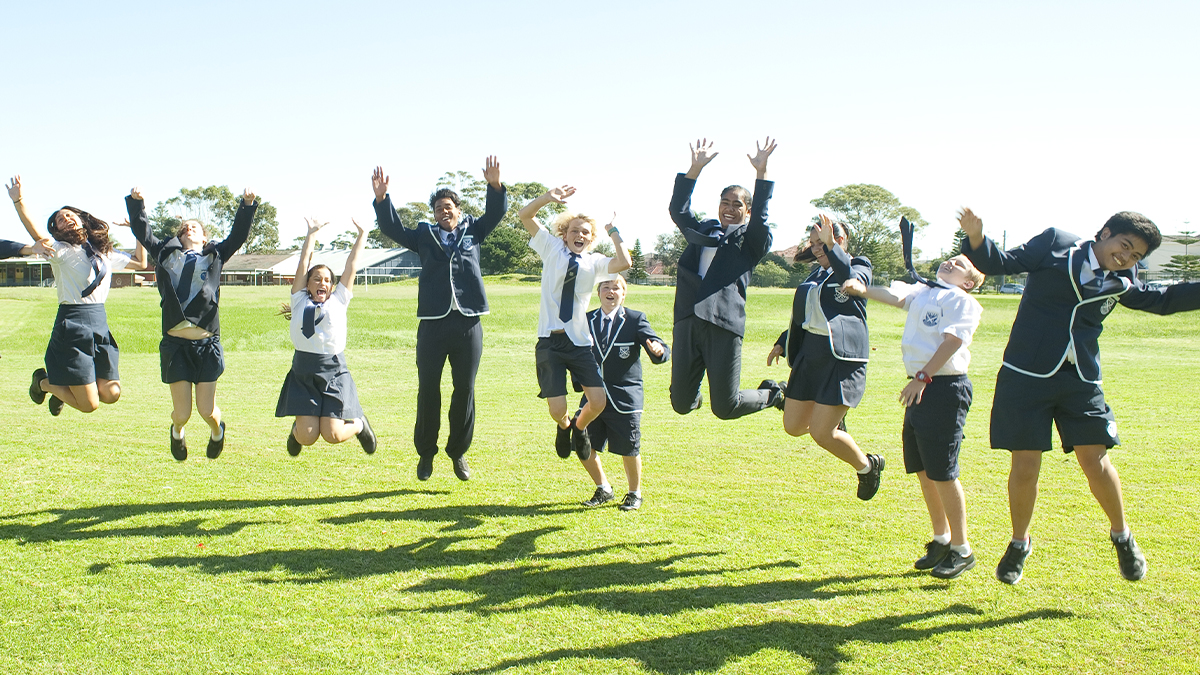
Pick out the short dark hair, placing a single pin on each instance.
(1135, 224)
(742, 192)
(443, 193)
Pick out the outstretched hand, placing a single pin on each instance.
(491, 172)
(136, 194)
(825, 230)
(379, 183)
(560, 194)
(44, 247)
(248, 197)
(759, 160)
(773, 357)
(702, 154)
(14, 188)
(970, 223)
(121, 223)
(314, 225)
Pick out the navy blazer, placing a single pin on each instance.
(720, 297)
(849, 339)
(447, 275)
(1058, 312)
(620, 362)
(203, 310)
(11, 249)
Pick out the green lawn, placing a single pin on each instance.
(750, 555)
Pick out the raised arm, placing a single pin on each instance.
(137, 261)
(528, 213)
(497, 201)
(621, 261)
(702, 154)
(135, 206)
(305, 253)
(360, 243)
(759, 160)
(386, 216)
(14, 193)
(240, 231)
(971, 226)
(878, 293)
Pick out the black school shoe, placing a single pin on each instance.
(461, 468)
(777, 390)
(600, 496)
(631, 502)
(868, 483)
(56, 405)
(215, 447)
(293, 445)
(1013, 563)
(35, 387)
(178, 445)
(424, 467)
(953, 565)
(1130, 558)
(562, 443)
(934, 554)
(580, 442)
(367, 437)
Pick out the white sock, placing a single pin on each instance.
(1120, 537)
(605, 486)
(865, 469)
(963, 550)
(1022, 543)
(177, 434)
(218, 434)
(942, 539)
(636, 493)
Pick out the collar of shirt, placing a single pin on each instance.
(1092, 269)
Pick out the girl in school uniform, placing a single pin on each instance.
(827, 346)
(318, 390)
(189, 283)
(81, 358)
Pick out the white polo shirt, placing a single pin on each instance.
(932, 314)
(329, 336)
(593, 268)
(73, 272)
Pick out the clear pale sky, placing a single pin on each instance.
(1032, 113)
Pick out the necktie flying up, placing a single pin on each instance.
(97, 266)
(906, 238)
(566, 304)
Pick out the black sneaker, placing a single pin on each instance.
(1009, 569)
(631, 502)
(293, 445)
(934, 554)
(601, 496)
(562, 443)
(953, 565)
(367, 437)
(1129, 555)
(35, 387)
(868, 483)
(580, 442)
(776, 390)
(425, 467)
(215, 447)
(461, 469)
(56, 405)
(178, 445)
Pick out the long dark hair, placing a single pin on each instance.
(95, 231)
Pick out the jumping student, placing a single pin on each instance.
(619, 335)
(82, 358)
(1051, 368)
(319, 391)
(189, 288)
(827, 346)
(569, 273)
(942, 318)
(450, 300)
(710, 292)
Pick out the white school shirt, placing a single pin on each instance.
(593, 268)
(932, 314)
(73, 272)
(330, 334)
(707, 254)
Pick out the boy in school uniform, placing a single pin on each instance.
(618, 336)
(1051, 371)
(450, 300)
(942, 318)
(569, 273)
(710, 291)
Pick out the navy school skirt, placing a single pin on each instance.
(819, 376)
(318, 385)
(81, 349)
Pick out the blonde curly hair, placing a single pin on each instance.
(563, 221)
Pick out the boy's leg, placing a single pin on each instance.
(687, 367)
(933, 504)
(432, 350)
(558, 411)
(633, 472)
(1023, 490)
(954, 509)
(1104, 482)
(597, 399)
(109, 391)
(722, 352)
(464, 366)
(592, 465)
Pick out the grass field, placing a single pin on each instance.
(750, 555)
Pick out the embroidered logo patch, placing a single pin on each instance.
(840, 295)
(468, 242)
(1107, 306)
(931, 319)
(204, 276)
(623, 351)
(1112, 428)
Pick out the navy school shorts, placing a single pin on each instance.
(194, 361)
(933, 429)
(1025, 407)
(556, 355)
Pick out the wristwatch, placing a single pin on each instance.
(923, 376)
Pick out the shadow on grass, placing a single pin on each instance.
(821, 644)
(462, 517)
(88, 522)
